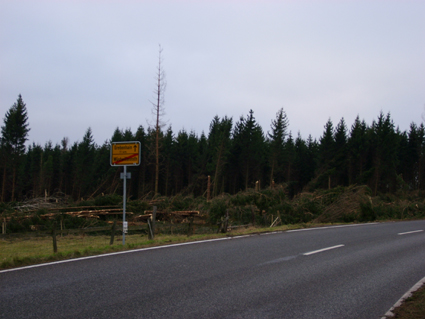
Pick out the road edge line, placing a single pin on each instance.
(114, 254)
(328, 227)
(408, 294)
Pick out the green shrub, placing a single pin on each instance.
(138, 207)
(217, 210)
(367, 212)
(108, 200)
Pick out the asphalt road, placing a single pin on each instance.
(356, 272)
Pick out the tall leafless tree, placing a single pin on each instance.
(158, 112)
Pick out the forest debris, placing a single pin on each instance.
(347, 203)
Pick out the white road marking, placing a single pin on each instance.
(124, 252)
(411, 232)
(321, 250)
(117, 253)
(327, 227)
(271, 233)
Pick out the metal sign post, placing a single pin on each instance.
(124, 200)
(125, 154)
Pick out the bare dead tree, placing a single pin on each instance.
(158, 112)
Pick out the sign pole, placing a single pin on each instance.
(125, 154)
(123, 206)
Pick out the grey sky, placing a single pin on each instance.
(81, 64)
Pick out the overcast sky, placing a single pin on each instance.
(81, 64)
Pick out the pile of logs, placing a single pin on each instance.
(173, 217)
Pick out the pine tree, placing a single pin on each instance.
(340, 157)
(183, 159)
(327, 152)
(327, 145)
(158, 110)
(357, 151)
(277, 145)
(289, 158)
(140, 136)
(415, 140)
(169, 161)
(384, 154)
(83, 166)
(248, 151)
(12, 145)
(219, 143)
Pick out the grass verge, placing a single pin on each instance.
(24, 251)
(413, 307)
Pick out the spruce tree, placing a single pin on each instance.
(248, 151)
(384, 154)
(357, 151)
(277, 145)
(340, 157)
(327, 154)
(218, 154)
(13, 137)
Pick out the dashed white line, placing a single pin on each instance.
(321, 250)
(411, 232)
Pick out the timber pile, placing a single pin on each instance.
(174, 217)
(38, 203)
(89, 213)
(143, 218)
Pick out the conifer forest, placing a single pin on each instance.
(236, 154)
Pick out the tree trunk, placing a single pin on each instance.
(217, 170)
(13, 182)
(3, 188)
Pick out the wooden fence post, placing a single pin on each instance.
(3, 226)
(190, 228)
(114, 225)
(153, 219)
(225, 222)
(55, 245)
(150, 229)
(209, 189)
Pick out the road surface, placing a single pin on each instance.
(355, 271)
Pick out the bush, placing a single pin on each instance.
(138, 207)
(367, 213)
(217, 209)
(108, 200)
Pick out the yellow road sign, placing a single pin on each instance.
(125, 153)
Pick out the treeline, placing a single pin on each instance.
(236, 155)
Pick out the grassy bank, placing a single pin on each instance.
(413, 307)
(23, 251)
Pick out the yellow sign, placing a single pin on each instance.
(125, 153)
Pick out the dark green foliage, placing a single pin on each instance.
(108, 200)
(358, 145)
(276, 144)
(218, 153)
(14, 134)
(180, 202)
(367, 213)
(237, 158)
(247, 153)
(217, 209)
(327, 146)
(138, 207)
